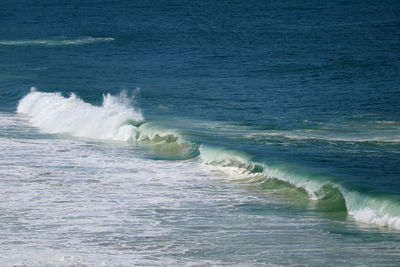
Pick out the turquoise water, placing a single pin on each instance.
(209, 133)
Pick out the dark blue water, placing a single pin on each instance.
(308, 90)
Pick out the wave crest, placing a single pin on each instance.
(53, 113)
(327, 194)
(230, 162)
(114, 120)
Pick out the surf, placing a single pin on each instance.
(54, 113)
(118, 120)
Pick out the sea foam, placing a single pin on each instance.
(53, 113)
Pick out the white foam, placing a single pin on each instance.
(53, 113)
(369, 216)
(381, 211)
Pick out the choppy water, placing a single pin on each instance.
(199, 133)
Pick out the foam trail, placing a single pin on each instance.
(368, 134)
(53, 113)
(57, 41)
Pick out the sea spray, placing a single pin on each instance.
(53, 113)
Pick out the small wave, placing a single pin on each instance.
(167, 142)
(230, 162)
(156, 134)
(383, 137)
(328, 194)
(57, 41)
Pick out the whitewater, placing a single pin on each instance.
(117, 120)
(199, 133)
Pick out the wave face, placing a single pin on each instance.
(57, 41)
(117, 120)
(328, 194)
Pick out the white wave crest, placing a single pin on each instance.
(53, 113)
(379, 210)
(369, 216)
(363, 208)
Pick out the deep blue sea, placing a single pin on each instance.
(199, 133)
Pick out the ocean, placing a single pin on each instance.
(199, 133)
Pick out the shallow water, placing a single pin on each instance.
(68, 201)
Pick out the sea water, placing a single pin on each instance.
(199, 133)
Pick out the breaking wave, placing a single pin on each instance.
(114, 120)
(328, 194)
(54, 113)
(117, 120)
